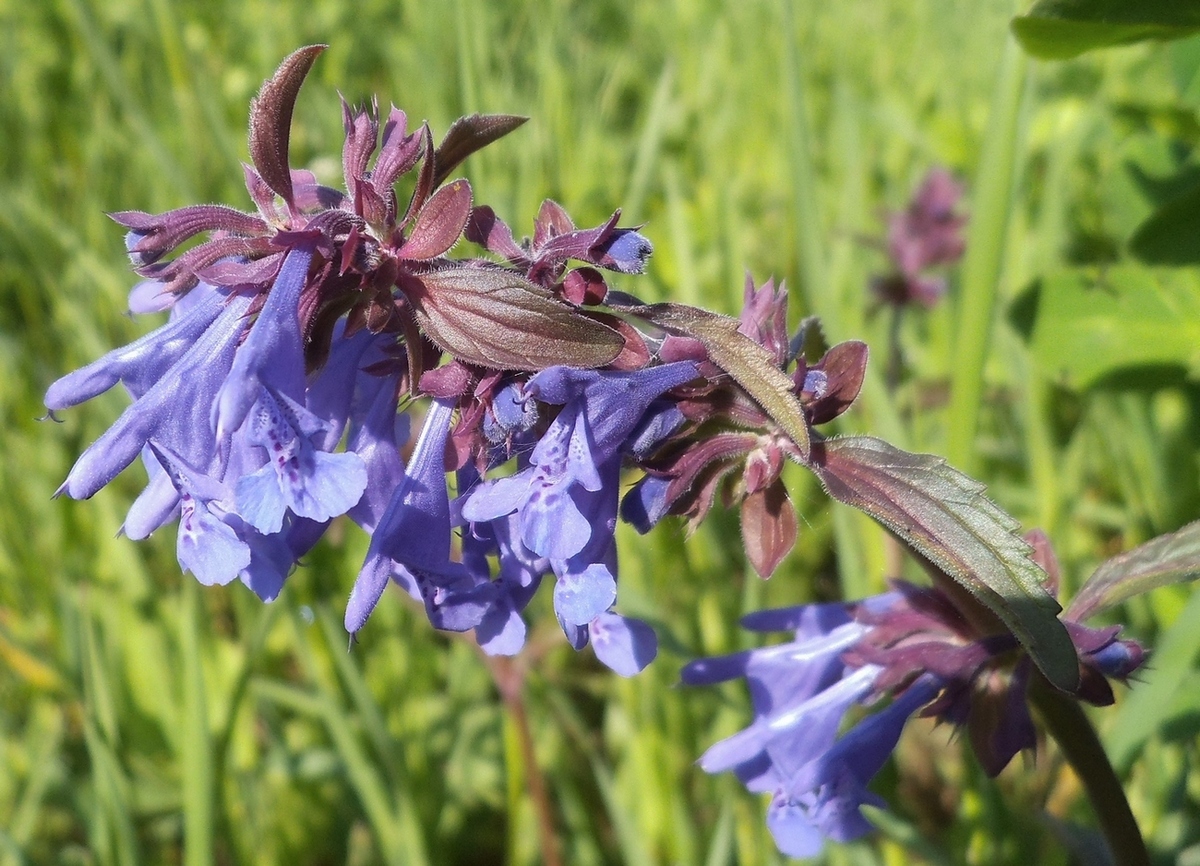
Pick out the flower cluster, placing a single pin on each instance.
(732, 445)
(270, 402)
(276, 399)
(930, 651)
(925, 235)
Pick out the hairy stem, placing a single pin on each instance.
(509, 677)
(1069, 725)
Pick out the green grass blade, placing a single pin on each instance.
(408, 829)
(810, 241)
(649, 144)
(1148, 704)
(367, 783)
(721, 850)
(994, 187)
(45, 744)
(196, 758)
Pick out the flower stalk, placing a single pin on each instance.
(1066, 721)
(509, 677)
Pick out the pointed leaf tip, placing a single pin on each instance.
(271, 119)
(469, 134)
(1161, 561)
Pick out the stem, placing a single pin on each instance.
(509, 677)
(895, 367)
(1069, 725)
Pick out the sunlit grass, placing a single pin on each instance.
(682, 113)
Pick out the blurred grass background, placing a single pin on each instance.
(137, 710)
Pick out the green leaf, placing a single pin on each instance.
(945, 516)
(1093, 323)
(1147, 708)
(1058, 29)
(1171, 235)
(749, 364)
(1171, 558)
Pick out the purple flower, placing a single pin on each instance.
(412, 539)
(273, 353)
(213, 542)
(556, 240)
(927, 234)
(823, 798)
(566, 499)
(297, 477)
(801, 692)
(208, 546)
(913, 645)
(625, 645)
(173, 394)
(502, 630)
(231, 499)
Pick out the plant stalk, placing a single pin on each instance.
(1071, 729)
(509, 677)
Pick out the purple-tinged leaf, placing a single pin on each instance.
(945, 516)
(556, 239)
(440, 223)
(154, 235)
(469, 134)
(764, 463)
(769, 528)
(499, 320)
(750, 365)
(448, 381)
(1168, 559)
(368, 202)
(764, 317)
(584, 287)
(271, 120)
(843, 368)
(635, 354)
(691, 481)
(425, 183)
(181, 273)
(309, 195)
(398, 153)
(552, 221)
(232, 272)
(1043, 555)
(491, 232)
(362, 134)
(261, 194)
